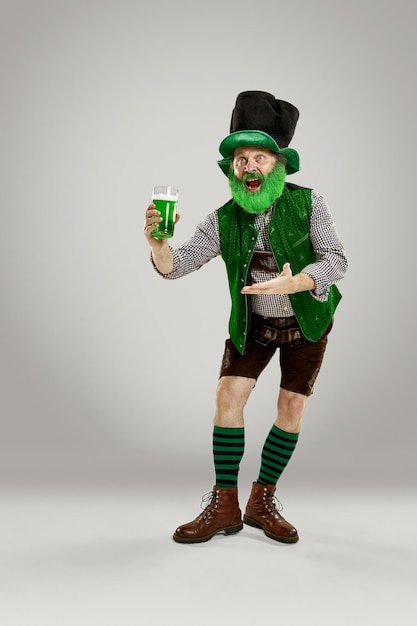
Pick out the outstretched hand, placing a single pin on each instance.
(284, 283)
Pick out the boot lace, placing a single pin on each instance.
(208, 503)
(273, 505)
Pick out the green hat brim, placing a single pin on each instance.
(255, 138)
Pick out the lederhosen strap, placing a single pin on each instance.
(264, 262)
(273, 330)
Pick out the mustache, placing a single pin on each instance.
(252, 176)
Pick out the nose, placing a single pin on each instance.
(250, 165)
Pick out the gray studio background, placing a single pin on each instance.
(108, 372)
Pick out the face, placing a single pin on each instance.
(253, 159)
(256, 178)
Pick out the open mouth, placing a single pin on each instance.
(253, 184)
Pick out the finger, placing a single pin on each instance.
(258, 288)
(152, 210)
(151, 222)
(150, 219)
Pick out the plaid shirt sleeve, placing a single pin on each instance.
(203, 246)
(331, 264)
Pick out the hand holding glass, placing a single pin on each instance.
(165, 199)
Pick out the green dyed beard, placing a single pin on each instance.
(258, 201)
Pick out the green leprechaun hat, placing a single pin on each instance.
(258, 119)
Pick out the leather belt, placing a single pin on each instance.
(278, 330)
(267, 335)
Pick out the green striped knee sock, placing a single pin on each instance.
(276, 453)
(228, 448)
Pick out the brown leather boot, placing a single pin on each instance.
(222, 514)
(261, 512)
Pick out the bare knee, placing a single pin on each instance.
(291, 407)
(231, 397)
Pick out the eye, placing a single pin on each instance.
(241, 161)
(260, 158)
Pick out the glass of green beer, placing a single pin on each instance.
(165, 199)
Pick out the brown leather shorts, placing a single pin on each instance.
(300, 359)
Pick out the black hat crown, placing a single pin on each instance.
(260, 110)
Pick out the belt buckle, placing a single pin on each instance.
(295, 336)
(265, 334)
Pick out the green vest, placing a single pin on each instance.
(288, 234)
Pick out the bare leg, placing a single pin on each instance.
(232, 395)
(222, 514)
(291, 407)
(261, 511)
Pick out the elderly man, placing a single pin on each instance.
(283, 257)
